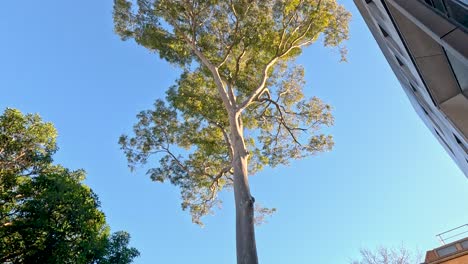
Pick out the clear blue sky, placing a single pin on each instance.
(386, 182)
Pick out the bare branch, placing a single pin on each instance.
(282, 120)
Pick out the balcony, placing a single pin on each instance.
(454, 10)
(453, 253)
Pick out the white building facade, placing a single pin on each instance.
(426, 45)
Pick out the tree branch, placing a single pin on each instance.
(177, 160)
(205, 61)
(238, 59)
(225, 135)
(283, 121)
(259, 90)
(236, 28)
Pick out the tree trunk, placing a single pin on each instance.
(245, 231)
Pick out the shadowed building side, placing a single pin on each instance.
(426, 45)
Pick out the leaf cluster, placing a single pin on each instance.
(47, 215)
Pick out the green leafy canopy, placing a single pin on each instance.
(238, 59)
(47, 215)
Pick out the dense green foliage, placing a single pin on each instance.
(47, 215)
(238, 60)
(117, 250)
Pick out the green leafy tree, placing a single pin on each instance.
(239, 104)
(47, 215)
(117, 250)
(57, 222)
(26, 148)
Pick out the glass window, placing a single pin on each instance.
(445, 143)
(460, 70)
(446, 251)
(460, 143)
(384, 33)
(458, 11)
(465, 244)
(439, 5)
(425, 111)
(454, 9)
(429, 2)
(399, 61)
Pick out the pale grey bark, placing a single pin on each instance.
(245, 230)
(246, 248)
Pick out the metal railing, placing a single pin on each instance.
(454, 10)
(452, 233)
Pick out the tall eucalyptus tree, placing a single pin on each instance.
(239, 104)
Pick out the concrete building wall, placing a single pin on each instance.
(426, 51)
